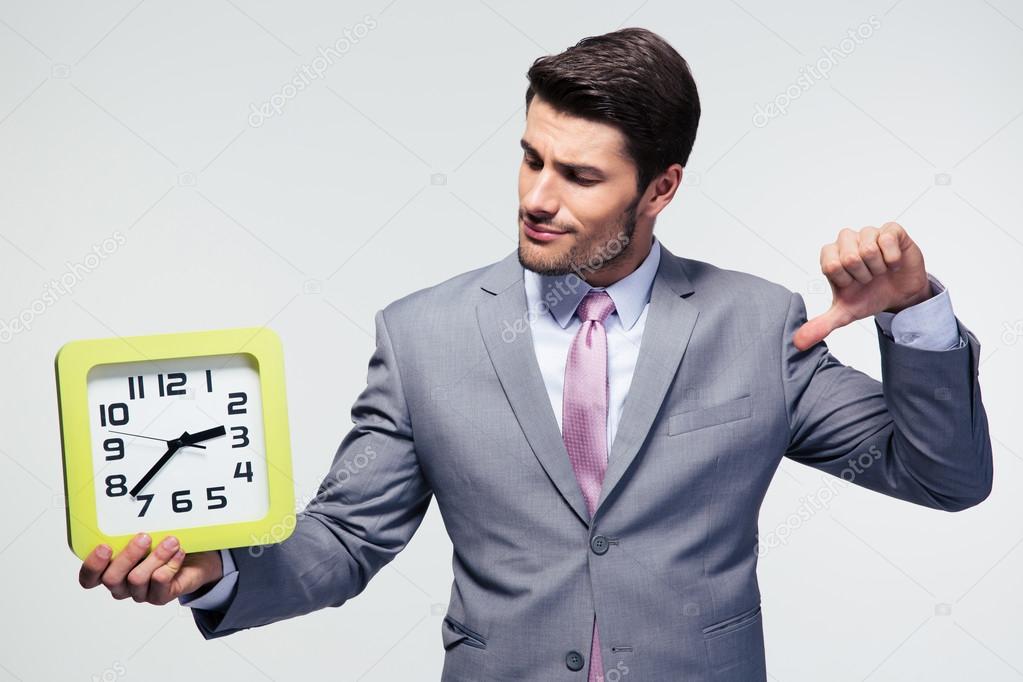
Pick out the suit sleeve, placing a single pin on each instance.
(920, 435)
(365, 511)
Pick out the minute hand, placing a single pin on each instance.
(172, 447)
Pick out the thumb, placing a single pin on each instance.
(183, 574)
(814, 331)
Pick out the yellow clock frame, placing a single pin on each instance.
(72, 364)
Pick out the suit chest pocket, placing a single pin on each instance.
(731, 410)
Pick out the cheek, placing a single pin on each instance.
(592, 213)
(526, 180)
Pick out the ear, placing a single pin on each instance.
(661, 189)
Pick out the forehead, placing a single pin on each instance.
(572, 139)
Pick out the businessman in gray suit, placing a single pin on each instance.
(599, 419)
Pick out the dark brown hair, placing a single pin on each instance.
(630, 78)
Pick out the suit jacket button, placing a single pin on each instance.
(598, 544)
(574, 660)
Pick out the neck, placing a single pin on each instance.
(621, 267)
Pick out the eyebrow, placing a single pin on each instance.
(574, 167)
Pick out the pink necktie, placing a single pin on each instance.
(584, 415)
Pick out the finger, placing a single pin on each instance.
(889, 241)
(138, 577)
(126, 559)
(832, 268)
(900, 234)
(815, 330)
(870, 252)
(161, 587)
(849, 254)
(94, 565)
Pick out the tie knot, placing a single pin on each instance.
(596, 305)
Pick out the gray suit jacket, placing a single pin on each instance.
(455, 408)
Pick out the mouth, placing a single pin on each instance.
(540, 233)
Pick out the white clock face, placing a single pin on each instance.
(150, 471)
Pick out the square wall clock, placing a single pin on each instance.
(176, 434)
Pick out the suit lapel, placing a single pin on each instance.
(669, 325)
(506, 332)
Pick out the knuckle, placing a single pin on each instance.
(137, 580)
(831, 267)
(850, 260)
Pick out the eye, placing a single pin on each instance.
(583, 182)
(532, 163)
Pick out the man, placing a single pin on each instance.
(599, 419)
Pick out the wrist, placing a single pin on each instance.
(924, 294)
(218, 566)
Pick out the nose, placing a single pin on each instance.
(541, 200)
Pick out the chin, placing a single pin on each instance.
(545, 259)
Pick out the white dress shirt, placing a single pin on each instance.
(551, 303)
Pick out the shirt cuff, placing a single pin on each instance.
(928, 325)
(218, 596)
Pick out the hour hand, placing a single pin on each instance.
(193, 438)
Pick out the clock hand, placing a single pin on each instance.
(193, 438)
(187, 439)
(172, 447)
(165, 440)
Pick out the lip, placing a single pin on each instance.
(540, 234)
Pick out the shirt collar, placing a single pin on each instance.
(562, 293)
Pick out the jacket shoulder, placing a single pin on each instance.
(735, 286)
(458, 294)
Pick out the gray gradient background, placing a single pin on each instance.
(396, 170)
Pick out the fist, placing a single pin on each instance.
(156, 577)
(870, 271)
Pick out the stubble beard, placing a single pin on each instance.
(595, 254)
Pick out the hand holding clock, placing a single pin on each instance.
(235, 487)
(166, 573)
(159, 578)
